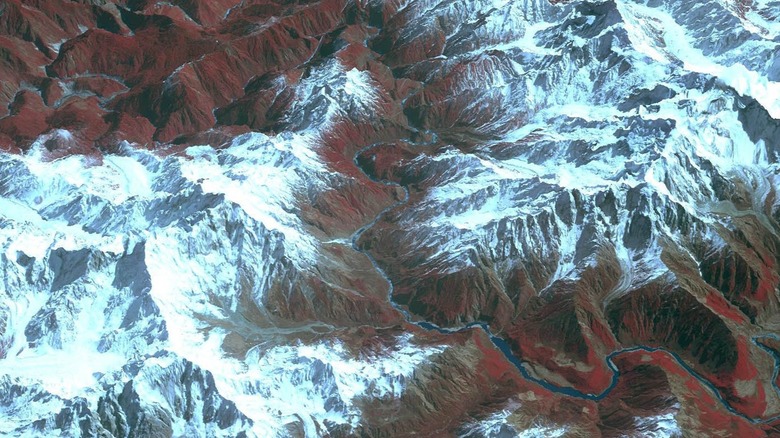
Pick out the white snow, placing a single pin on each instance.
(262, 175)
(264, 178)
(73, 367)
(659, 426)
(65, 373)
(116, 180)
(658, 23)
(526, 44)
(358, 85)
(331, 92)
(312, 383)
(498, 425)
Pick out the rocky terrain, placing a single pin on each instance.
(389, 218)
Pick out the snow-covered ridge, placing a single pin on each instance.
(139, 262)
(594, 130)
(655, 33)
(201, 295)
(256, 168)
(333, 91)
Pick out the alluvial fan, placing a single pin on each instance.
(390, 218)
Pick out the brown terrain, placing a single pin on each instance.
(679, 332)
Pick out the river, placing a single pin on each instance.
(506, 349)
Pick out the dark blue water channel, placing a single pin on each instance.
(506, 349)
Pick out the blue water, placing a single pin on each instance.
(506, 349)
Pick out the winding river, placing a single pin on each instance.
(506, 350)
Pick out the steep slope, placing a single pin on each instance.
(389, 218)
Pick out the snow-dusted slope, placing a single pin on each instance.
(125, 282)
(390, 218)
(598, 178)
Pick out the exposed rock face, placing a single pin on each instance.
(389, 218)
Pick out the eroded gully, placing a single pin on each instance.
(506, 350)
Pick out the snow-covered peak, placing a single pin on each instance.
(332, 91)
